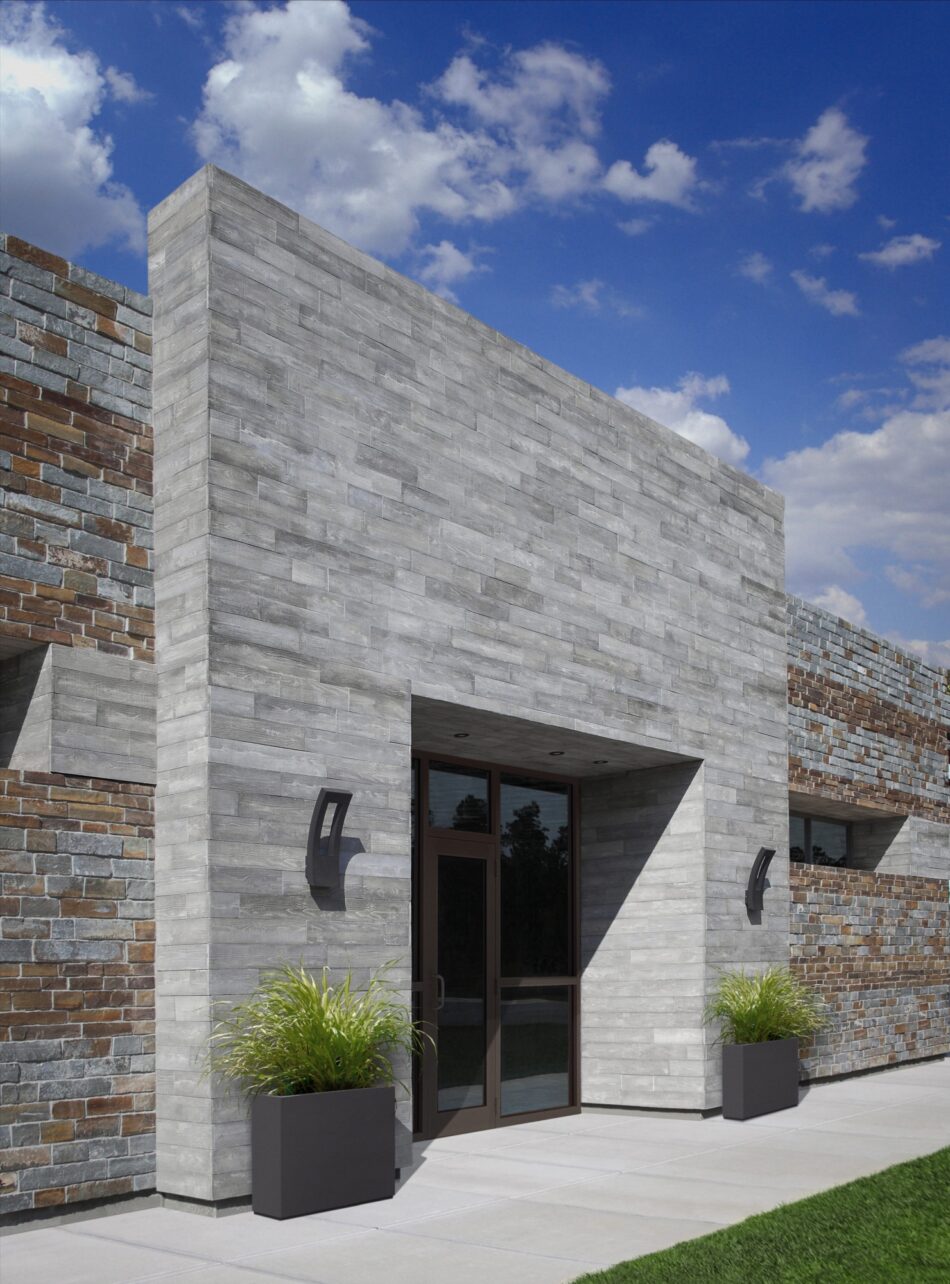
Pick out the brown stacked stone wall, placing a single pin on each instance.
(868, 723)
(75, 458)
(77, 996)
(876, 948)
(76, 890)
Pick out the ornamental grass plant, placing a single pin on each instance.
(767, 1005)
(298, 1033)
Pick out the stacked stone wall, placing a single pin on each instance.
(868, 724)
(75, 457)
(876, 948)
(76, 626)
(77, 991)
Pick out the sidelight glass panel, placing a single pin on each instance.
(458, 798)
(535, 1048)
(461, 1015)
(535, 878)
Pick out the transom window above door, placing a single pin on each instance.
(459, 798)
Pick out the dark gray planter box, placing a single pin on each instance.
(322, 1150)
(758, 1078)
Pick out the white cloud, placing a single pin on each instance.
(928, 352)
(934, 653)
(840, 602)
(929, 373)
(756, 267)
(593, 296)
(822, 251)
(191, 15)
(885, 222)
(537, 84)
(585, 294)
(840, 303)
(543, 110)
(900, 251)
(884, 489)
(862, 495)
(636, 226)
(124, 88)
(827, 164)
(677, 408)
(278, 109)
(670, 177)
(912, 580)
(747, 144)
(444, 265)
(57, 187)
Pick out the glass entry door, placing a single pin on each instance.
(496, 977)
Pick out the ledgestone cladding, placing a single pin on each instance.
(365, 496)
(868, 723)
(77, 1033)
(76, 756)
(876, 947)
(75, 455)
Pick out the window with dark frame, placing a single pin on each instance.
(816, 840)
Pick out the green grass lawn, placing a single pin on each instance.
(893, 1228)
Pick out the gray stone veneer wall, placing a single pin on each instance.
(78, 711)
(643, 915)
(364, 494)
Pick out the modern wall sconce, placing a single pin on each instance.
(323, 854)
(755, 891)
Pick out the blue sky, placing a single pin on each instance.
(733, 216)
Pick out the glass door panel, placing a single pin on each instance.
(462, 982)
(496, 965)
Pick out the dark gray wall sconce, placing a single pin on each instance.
(323, 854)
(755, 891)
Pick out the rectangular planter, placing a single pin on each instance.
(322, 1150)
(758, 1078)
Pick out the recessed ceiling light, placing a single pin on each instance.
(460, 735)
(556, 753)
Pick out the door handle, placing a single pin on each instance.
(439, 992)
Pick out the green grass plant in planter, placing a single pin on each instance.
(317, 1061)
(762, 1017)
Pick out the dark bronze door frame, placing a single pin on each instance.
(458, 863)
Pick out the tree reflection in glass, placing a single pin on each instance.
(535, 879)
(458, 798)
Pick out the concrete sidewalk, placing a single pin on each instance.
(535, 1204)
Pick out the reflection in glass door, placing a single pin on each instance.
(495, 924)
(536, 944)
(461, 1011)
